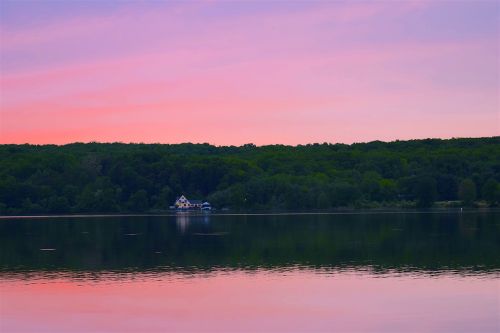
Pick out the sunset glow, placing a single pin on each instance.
(239, 72)
(251, 302)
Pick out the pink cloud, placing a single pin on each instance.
(262, 77)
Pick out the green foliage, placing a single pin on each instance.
(120, 177)
(491, 191)
(426, 192)
(56, 204)
(138, 201)
(467, 192)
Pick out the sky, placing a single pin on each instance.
(236, 72)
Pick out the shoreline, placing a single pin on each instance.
(264, 213)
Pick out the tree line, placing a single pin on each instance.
(117, 177)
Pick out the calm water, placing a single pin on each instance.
(283, 273)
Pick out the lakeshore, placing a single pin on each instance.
(173, 213)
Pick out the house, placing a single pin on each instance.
(183, 203)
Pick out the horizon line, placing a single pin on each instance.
(248, 143)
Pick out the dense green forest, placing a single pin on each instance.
(116, 177)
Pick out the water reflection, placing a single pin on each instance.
(251, 301)
(209, 273)
(381, 243)
(184, 219)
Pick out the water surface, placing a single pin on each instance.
(402, 272)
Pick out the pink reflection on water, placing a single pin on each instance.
(243, 301)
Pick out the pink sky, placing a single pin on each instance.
(240, 72)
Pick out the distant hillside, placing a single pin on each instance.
(98, 177)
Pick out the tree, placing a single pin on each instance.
(388, 189)
(119, 177)
(322, 200)
(30, 207)
(138, 201)
(3, 208)
(371, 185)
(344, 194)
(467, 191)
(58, 205)
(490, 191)
(447, 187)
(426, 192)
(166, 198)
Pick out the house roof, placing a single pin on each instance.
(195, 202)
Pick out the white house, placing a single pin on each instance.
(183, 203)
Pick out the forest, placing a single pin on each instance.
(132, 178)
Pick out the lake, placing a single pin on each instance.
(375, 272)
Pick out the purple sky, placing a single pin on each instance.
(237, 72)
